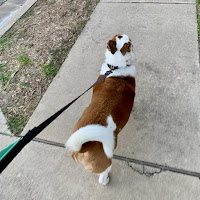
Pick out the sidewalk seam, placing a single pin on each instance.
(149, 2)
(126, 159)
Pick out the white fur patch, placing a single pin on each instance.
(120, 42)
(95, 132)
(117, 59)
(127, 71)
(103, 177)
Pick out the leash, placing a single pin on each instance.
(9, 153)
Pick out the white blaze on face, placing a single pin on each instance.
(121, 40)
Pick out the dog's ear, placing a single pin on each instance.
(112, 46)
(125, 48)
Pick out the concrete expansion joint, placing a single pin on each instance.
(144, 168)
(150, 2)
(144, 171)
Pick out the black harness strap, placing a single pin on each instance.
(36, 130)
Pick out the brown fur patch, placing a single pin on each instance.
(113, 96)
(125, 48)
(111, 46)
(93, 158)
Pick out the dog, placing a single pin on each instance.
(95, 134)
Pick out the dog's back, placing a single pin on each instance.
(114, 97)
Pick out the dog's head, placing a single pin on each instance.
(119, 50)
(120, 43)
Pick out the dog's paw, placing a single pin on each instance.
(104, 180)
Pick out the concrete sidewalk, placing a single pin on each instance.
(8, 8)
(11, 11)
(163, 128)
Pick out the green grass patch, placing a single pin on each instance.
(17, 123)
(58, 55)
(29, 13)
(73, 9)
(49, 70)
(4, 110)
(25, 84)
(5, 41)
(24, 60)
(198, 28)
(5, 75)
(198, 17)
(79, 27)
(51, 2)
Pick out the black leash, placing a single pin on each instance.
(36, 130)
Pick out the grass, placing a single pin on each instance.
(51, 2)
(79, 27)
(24, 60)
(25, 84)
(58, 55)
(5, 75)
(73, 9)
(29, 13)
(198, 17)
(5, 41)
(17, 123)
(49, 70)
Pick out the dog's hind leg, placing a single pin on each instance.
(103, 177)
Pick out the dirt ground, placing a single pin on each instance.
(32, 52)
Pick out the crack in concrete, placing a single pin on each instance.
(157, 166)
(145, 171)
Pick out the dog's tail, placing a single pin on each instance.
(99, 133)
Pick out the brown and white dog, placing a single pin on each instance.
(95, 134)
